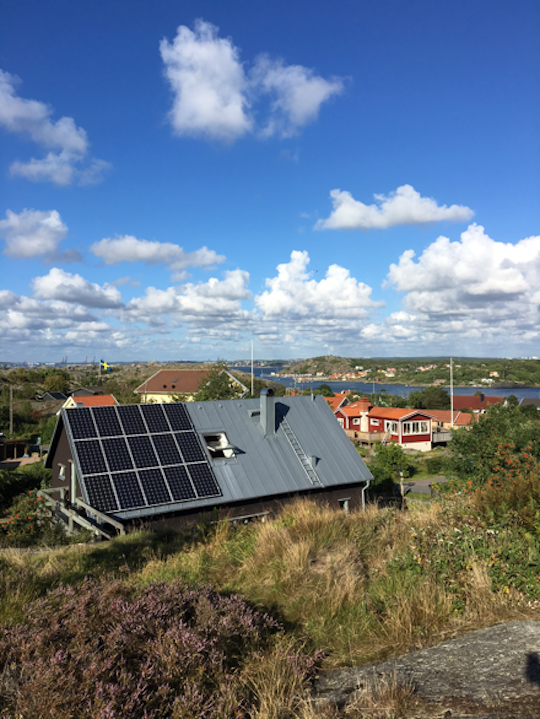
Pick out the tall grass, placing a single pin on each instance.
(359, 586)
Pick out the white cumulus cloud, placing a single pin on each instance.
(205, 302)
(214, 95)
(405, 206)
(72, 288)
(476, 292)
(130, 249)
(297, 94)
(32, 233)
(312, 311)
(292, 293)
(68, 143)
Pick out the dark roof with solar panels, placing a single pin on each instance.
(134, 461)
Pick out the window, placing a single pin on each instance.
(356, 420)
(219, 446)
(390, 426)
(344, 504)
(415, 427)
(341, 421)
(375, 422)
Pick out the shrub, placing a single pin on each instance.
(512, 493)
(29, 524)
(436, 465)
(109, 649)
(389, 461)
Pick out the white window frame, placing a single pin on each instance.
(375, 422)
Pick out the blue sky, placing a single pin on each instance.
(353, 178)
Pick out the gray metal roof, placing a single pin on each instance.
(307, 450)
(269, 465)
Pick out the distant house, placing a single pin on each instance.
(337, 401)
(51, 397)
(98, 400)
(476, 402)
(533, 401)
(167, 385)
(442, 419)
(410, 428)
(85, 391)
(165, 464)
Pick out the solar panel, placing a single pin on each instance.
(154, 486)
(190, 447)
(100, 493)
(179, 483)
(133, 457)
(117, 454)
(91, 457)
(128, 490)
(130, 417)
(154, 418)
(80, 421)
(107, 421)
(166, 449)
(177, 416)
(203, 480)
(142, 452)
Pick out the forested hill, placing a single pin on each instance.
(424, 371)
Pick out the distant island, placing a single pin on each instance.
(419, 371)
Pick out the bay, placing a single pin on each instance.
(401, 390)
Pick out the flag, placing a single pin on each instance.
(105, 366)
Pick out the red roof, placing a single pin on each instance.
(444, 415)
(174, 381)
(97, 400)
(396, 413)
(336, 401)
(475, 402)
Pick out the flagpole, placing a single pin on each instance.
(252, 380)
(99, 374)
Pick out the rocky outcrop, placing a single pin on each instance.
(491, 672)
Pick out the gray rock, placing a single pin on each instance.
(492, 667)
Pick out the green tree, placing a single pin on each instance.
(474, 451)
(389, 461)
(218, 385)
(325, 390)
(56, 383)
(430, 398)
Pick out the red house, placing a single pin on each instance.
(476, 402)
(411, 428)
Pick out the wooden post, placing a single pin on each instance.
(402, 490)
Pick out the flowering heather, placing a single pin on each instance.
(108, 650)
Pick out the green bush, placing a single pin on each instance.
(29, 523)
(14, 482)
(436, 465)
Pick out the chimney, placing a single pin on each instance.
(268, 411)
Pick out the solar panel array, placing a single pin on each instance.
(137, 456)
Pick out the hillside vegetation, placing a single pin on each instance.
(357, 587)
(232, 620)
(425, 371)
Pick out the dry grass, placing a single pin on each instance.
(338, 581)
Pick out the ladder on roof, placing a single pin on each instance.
(302, 456)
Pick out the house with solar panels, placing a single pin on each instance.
(169, 464)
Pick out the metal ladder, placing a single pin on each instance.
(302, 456)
